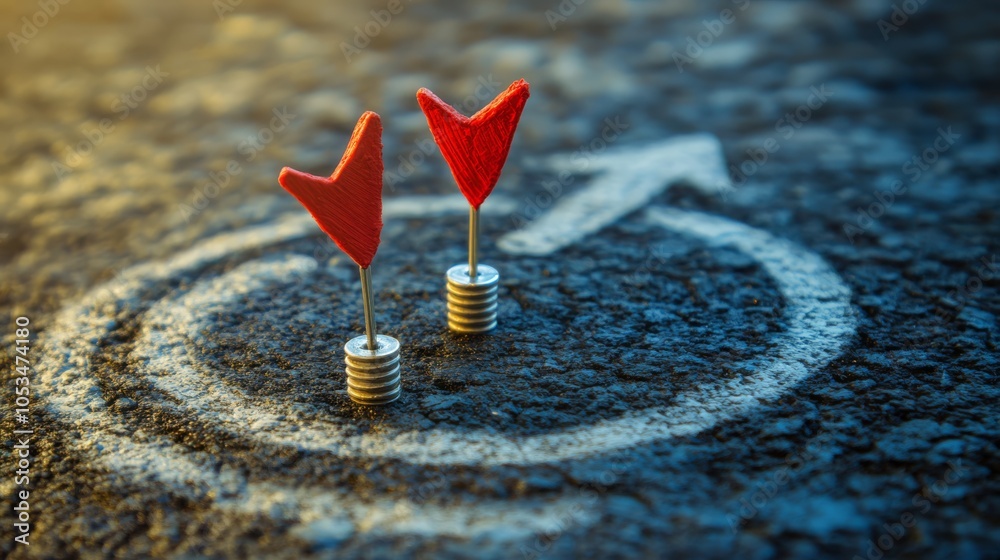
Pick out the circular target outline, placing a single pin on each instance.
(812, 335)
(820, 324)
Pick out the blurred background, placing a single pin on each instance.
(182, 88)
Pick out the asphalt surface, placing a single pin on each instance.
(672, 385)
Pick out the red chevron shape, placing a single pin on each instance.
(347, 205)
(475, 147)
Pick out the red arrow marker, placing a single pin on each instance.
(475, 148)
(348, 204)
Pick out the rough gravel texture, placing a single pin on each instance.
(583, 338)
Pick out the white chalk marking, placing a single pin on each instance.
(82, 325)
(628, 178)
(820, 322)
(73, 396)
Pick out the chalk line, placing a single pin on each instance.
(628, 178)
(72, 395)
(820, 324)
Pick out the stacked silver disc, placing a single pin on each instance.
(472, 302)
(373, 375)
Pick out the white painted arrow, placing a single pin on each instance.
(628, 178)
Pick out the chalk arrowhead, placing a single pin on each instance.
(347, 205)
(475, 147)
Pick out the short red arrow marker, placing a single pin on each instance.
(475, 148)
(348, 204)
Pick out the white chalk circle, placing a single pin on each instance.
(817, 306)
(818, 312)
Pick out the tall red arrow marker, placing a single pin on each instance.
(347, 205)
(475, 148)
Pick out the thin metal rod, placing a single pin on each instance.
(369, 301)
(473, 241)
